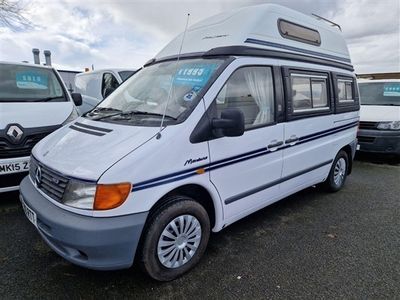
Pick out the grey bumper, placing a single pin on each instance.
(380, 141)
(94, 243)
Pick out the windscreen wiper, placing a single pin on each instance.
(129, 113)
(139, 112)
(47, 99)
(103, 109)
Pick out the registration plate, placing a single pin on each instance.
(30, 214)
(14, 166)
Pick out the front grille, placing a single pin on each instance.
(8, 150)
(365, 139)
(368, 125)
(13, 179)
(50, 182)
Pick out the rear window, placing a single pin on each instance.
(380, 93)
(29, 84)
(299, 33)
(125, 74)
(345, 90)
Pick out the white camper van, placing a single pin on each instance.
(94, 86)
(33, 103)
(247, 114)
(379, 130)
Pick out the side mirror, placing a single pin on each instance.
(107, 92)
(231, 122)
(77, 98)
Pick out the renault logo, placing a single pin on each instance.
(15, 133)
(38, 176)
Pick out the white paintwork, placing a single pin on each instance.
(258, 22)
(133, 154)
(34, 114)
(379, 113)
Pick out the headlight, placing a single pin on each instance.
(79, 194)
(394, 125)
(74, 114)
(84, 195)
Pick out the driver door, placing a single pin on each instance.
(246, 170)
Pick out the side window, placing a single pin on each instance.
(309, 92)
(109, 81)
(251, 90)
(345, 90)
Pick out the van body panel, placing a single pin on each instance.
(379, 113)
(85, 147)
(30, 115)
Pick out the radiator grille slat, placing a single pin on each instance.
(368, 125)
(51, 183)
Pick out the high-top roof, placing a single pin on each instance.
(257, 27)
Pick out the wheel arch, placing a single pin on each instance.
(198, 193)
(349, 153)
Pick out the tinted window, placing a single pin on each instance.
(345, 90)
(125, 74)
(309, 92)
(380, 93)
(28, 83)
(299, 33)
(251, 90)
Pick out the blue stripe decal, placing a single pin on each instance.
(180, 175)
(290, 48)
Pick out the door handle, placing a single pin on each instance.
(275, 144)
(292, 140)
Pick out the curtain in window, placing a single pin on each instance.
(259, 81)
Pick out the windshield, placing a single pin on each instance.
(125, 74)
(143, 98)
(19, 83)
(380, 93)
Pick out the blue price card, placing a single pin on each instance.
(391, 89)
(195, 75)
(32, 80)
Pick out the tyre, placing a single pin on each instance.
(175, 238)
(338, 173)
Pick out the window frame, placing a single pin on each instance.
(298, 38)
(311, 77)
(342, 106)
(311, 112)
(213, 106)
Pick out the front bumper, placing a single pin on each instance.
(380, 141)
(94, 243)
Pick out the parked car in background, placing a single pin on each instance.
(94, 86)
(379, 129)
(33, 103)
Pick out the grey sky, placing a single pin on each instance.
(128, 33)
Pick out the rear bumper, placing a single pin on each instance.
(379, 141)
(94, 243)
